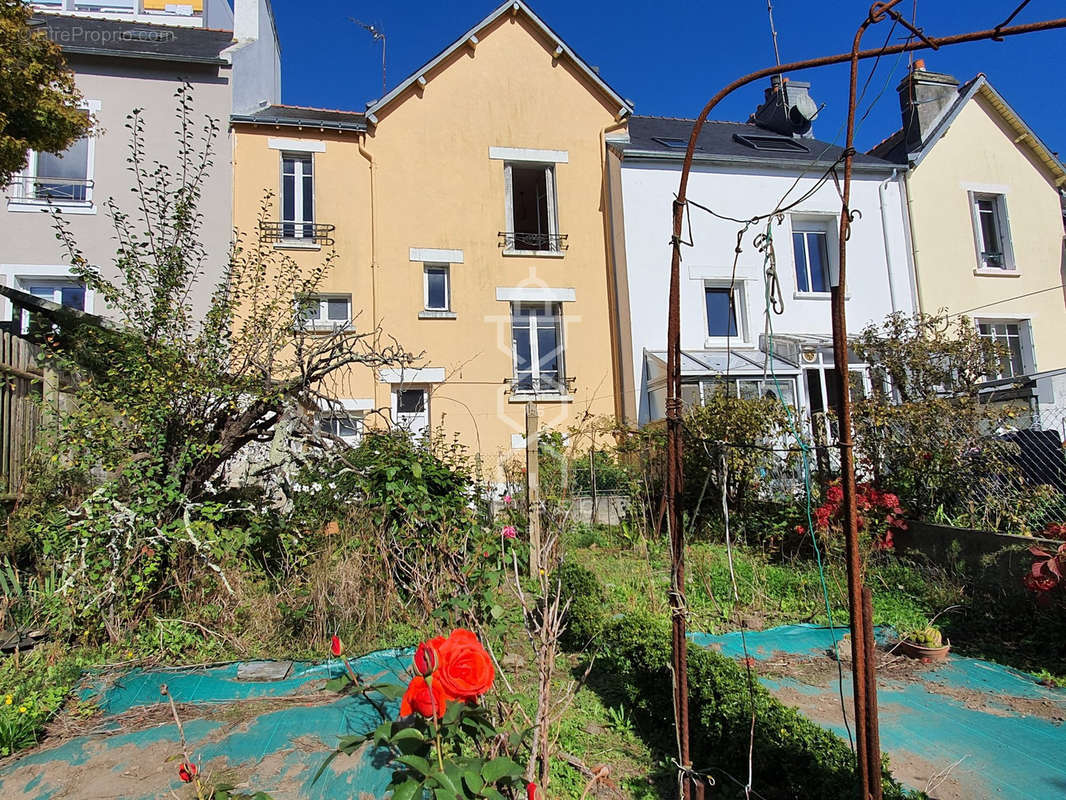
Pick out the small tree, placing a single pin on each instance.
(39, 103)
(165, 399)
(925, 432)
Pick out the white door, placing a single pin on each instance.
(410, 409)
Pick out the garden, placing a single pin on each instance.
(184, 523)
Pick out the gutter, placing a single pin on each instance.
(88, 51)
(289, 122)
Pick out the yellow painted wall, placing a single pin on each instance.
(434, 186)
(979, 148)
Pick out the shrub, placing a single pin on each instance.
(794, 757)
(585, 617)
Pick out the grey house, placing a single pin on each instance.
(129, 54)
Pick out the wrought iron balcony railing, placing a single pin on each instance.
(533, 242)
(316, 232)
(55, 190)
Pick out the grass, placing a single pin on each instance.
(770, 592)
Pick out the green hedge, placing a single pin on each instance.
(793, 757)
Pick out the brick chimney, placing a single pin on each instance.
(924, 96)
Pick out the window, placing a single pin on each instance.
(538, 349)
(991, 231)
(67, 293)
(63, 179)
(410, 409)
(343, 425)
(673, 143)
(438, 295)
(324, 312)
(1010, 340)
(723, 318)
(531, 219)
(297, 196)
(811, 251)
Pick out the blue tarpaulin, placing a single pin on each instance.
(990, 731)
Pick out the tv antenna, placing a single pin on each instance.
(376, 32)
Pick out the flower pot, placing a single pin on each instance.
(913, 650)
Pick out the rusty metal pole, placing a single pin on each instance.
(674, 478)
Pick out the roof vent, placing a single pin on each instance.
(787, 108)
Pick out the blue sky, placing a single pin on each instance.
(669, 57)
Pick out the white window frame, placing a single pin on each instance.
(447, 270)
(20, 276)
(552, 203)
(322, 323)
(298, 223)
(998, 196)
(21, 200)
(828, 226)
(356, 419)
(740, 310)
(1025, 341)
(395, 406)
(561, 389)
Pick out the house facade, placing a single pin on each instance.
(126, 55)
(735, 331)
(984, 199)
(466, 210)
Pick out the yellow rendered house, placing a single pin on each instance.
(467, 211)
(984, 200)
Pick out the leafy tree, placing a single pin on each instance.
(925, 432)
(39, 103)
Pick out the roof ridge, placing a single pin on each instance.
(688, 119)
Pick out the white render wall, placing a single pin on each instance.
(648, 189)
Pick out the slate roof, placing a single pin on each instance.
(717, 143)
(302, 117)
(128, 39)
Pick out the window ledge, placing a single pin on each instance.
(536, 253)
(430, 314)
(63, 208)
(546, 397)
(816, 296)
(732, 342)
(296, 244)
(998, 273)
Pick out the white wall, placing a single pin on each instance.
(256, 57)
(648, 190)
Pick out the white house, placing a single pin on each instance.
(744, 170)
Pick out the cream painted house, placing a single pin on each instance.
(984, 205)
(466, 209)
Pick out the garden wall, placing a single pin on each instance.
(1002, 556)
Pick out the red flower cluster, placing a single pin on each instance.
(1054, 530)
(870, 503)
(447, 669)
(1047, 570)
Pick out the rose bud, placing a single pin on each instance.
(187, 771)
(335, 646)
(427, 659)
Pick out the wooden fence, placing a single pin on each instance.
(27, 393)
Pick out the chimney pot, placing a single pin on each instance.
(919, 64)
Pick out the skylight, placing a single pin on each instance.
(777, 144)
(671, 142)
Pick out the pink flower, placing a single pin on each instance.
(508, 532)
(507, 499)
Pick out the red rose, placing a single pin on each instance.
(427, 656)
(187, 771)
(465, 671)
(834, 494)
(335, 646)
(427, 698)
(800, 530)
